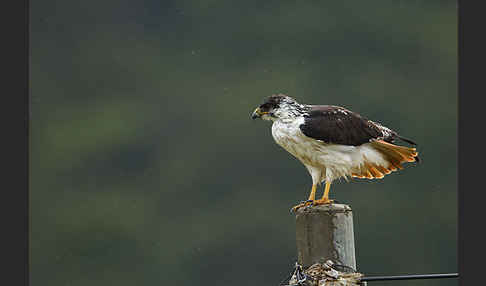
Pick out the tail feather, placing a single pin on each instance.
(395, 155)
(406, 140)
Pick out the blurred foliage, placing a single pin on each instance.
(146, 169)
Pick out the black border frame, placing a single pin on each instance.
(14, 211)
(471, 236)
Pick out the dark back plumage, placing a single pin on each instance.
(337, 125)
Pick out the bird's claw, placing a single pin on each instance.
(307, 203)
(310, 203)
(323, 202)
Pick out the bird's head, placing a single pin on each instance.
(278, 106)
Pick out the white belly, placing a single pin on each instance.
(323, 161)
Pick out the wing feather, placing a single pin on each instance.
(337, 125)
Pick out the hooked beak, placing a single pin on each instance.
(257, 113)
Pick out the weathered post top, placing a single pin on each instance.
(325, 232)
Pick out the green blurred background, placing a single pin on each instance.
(146, 168)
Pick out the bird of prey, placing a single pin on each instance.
(333, 142)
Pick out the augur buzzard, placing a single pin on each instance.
(333, 142)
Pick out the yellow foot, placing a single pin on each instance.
(303, 204)
(322, 202)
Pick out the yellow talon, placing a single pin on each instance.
(323, 202)
(312, 201)
(304, 204)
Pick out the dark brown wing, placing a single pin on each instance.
(337, 125)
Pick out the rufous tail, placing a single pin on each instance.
(395, 155)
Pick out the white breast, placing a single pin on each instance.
(288, 135)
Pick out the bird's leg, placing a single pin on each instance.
(325, 197)
(312, 197)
